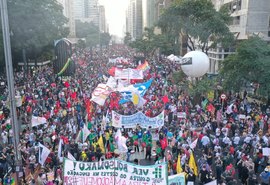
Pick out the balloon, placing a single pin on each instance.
(198, 66)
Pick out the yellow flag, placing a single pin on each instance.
(192, 164)
(101, 144)
(179, 167)
(135, 99)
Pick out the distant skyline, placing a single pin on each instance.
(115, 11)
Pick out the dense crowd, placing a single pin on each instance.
(230, 135)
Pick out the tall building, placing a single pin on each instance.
(79, 9)
(149, 13)
(134, 23)
(85, 11)
(102, 19)
(250, 17)
(68, 12)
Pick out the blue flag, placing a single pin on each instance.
(141, 87)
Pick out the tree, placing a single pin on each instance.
(199, 21)
(127, 38)
(81, 44)
(250, 64)
(149, 43)
(83, 29)
(105, 39)
(35, 24)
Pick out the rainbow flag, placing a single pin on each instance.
(144, 67)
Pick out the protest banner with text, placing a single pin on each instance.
(131, 121)
(113, 172)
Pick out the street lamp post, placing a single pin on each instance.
(10, 80)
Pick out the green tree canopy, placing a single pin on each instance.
(250, 64)
(127, 38)
(83, 29)
(199, 21)
(105, 39)
(34, 24)
(149, 43)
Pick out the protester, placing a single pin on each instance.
(225, 138)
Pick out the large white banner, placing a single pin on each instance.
(100, 94)
(131, 121)
(128, 74)
(38, 121)
(113, 172)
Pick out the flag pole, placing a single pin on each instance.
(10, 79)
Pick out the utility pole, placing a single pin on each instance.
(10, 80)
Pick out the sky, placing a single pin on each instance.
(115, 11)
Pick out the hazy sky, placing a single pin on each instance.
(115, 15)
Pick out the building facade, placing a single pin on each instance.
(134, 20)
(249, 17)
(85, 11)
(68, 12)
(149, 13)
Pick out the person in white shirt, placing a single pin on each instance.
(205, 140)
(218, 132)
(226, 140)
(236, 140)
(4, 136)
(32, 162)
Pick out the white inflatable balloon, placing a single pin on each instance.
(198, 66)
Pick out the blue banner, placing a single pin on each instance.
(141, 87)
(131, 121)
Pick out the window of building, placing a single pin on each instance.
(239, 3)
(268, 33)
(236, 20)
(269, 21)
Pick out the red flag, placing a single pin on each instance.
(210, 108)
(74, 95)
(165, 99)
(112, 71)
(66, 84)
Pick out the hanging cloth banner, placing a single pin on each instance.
(128, 74)
(113, 172)
(127, 92)
(131, 121)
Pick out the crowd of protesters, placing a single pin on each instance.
(230, 135)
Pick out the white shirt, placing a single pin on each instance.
(226, 140)
(247, 139)
(236, 140)
(218, 132)
(205, 140)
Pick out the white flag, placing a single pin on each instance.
(121, 142)
(43, 153)
(194, 144)
(86, 133)
(71, 157)
(60, 149)
(212, 183)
